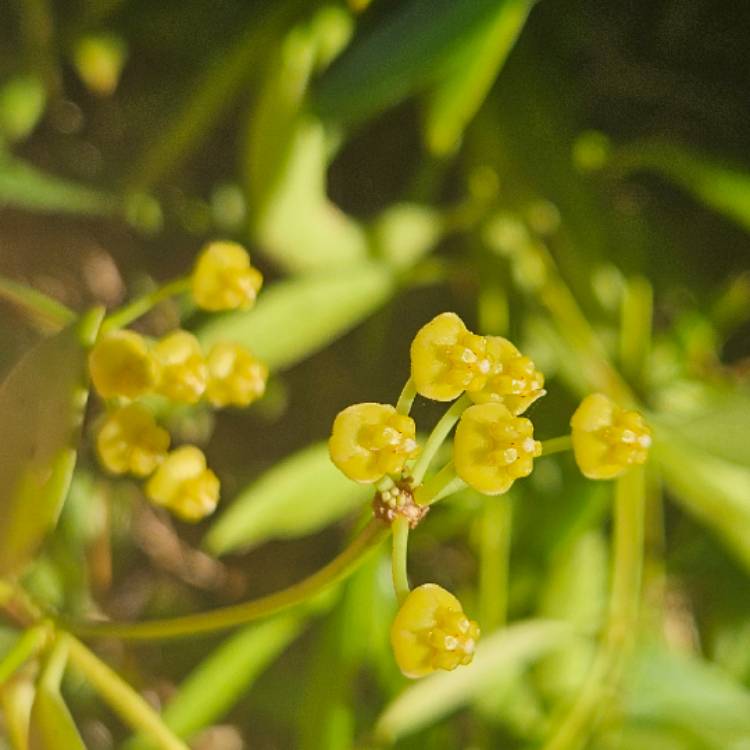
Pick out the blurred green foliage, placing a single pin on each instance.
(571, 174)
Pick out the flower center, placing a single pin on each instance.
(628, 438)
(513, 446)
(469, 364)
(452, 640)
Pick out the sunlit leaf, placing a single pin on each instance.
(51, 726)
(441, 693)
(298, 496)
(41, 409)
(26, 187)
(455, 99)
(405, 52)
(406, 232)
(224, 677)
(294, 319)
(22, 102)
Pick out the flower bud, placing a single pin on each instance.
(130, 441)
(235, 376)
(223, 278)
(432, 632)
(121, 365)
(184, 485)
(608, 439)
(371, 440)
(183, 368)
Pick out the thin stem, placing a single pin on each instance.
(400, 527)
(54, 669)
(635, 327)
(120, 697)
(556, 445)
(406, 399)
(49, 312)
(29, 644)
(140, 306)
(577, 724)
(494, 558)
(444, 483)
(437, 437)
(228, 617)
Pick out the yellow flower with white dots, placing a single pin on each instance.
(371, 440)
(608, 439)
(431, 632)
(183, 370)
(492, 448)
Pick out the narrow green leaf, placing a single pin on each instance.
(41, 409)
(298, 496)
(400, 56)
(441, 693)
(294, 319)
(723, 187)
(405, 232)
(456, 99)
(51, 726)
(26, 187)
(221, 680)
(715, 491)
(48, 312)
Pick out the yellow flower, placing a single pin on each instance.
(223, 278)
(492, 448)
(235, 377)
(183, 367)
(432, 632)
(184, 485)
(514, 380)
(447, 359)
(130, 441)
(121, 365)
(608, 439)
(370, 440)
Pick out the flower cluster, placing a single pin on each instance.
(492, 384)
(125, 366)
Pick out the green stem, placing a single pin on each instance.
(400, 527)
(442, 484)
(437, 437)
(494, 558)
(140, 306)
(120, 697)
(47, 311)
(574, 729)
(29, 644)
(556, 445)
(635, 327)
(406, 399)
(228, 617)
(54, 668)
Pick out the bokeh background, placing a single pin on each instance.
(383, 162)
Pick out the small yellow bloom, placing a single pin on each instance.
(184, 485)
(130, 441)
(432, 632)
(223, 278)
(608, 439)
(447, 359)
(370, 440)
(492, 448)
(121, 365)
(514, 380)
(235, 377)
(183, 368)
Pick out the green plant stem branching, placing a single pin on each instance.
(49, 313)
(577, 724)
(437, 437)
(228, 617)
(400, 527)
(140, 306)
(442, 484)
(28, 645)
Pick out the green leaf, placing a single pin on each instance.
(405, 232)
(51, 726)
(441, 693)
(723, 187)
(298, 496)
(715, 491)
(41, 409)
(402, 55)
(22, 102)
(26, 187)
(456, 99)
(294, 319)
(224, 677)
(680, 691)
